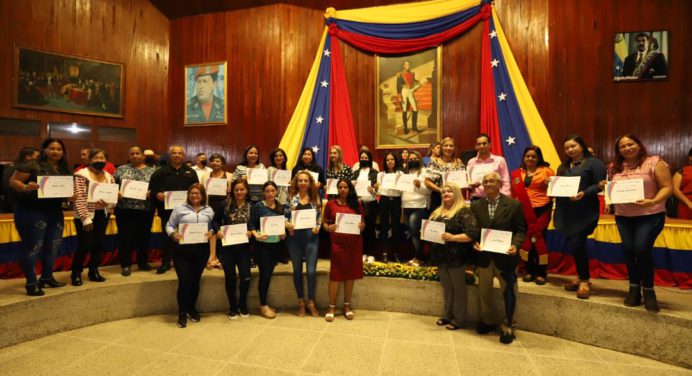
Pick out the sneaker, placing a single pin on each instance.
(182, 320)
(194, 316)
(244, 312)
(232, 315)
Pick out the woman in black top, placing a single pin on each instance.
(365, 171)
(307, 162)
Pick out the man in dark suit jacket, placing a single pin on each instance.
(498, 212)
(646, 63)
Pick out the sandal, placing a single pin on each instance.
(348, 314)
(453, 326)
(329, 317)
(584, 290)
(540, 281)
(528, 278)
(301, 308)
(266, 312)
(312, 309)
(572, 286)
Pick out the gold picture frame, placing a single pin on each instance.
(408, 99)
(205, 94)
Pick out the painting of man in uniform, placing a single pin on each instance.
(408, 99)
(205, 99)
(57, 82)
(641, 55)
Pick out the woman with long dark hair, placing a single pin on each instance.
(416, 206)
(308, 162)
(217, 163)
(278, 161)
(250, 160)
(390, 209)
(365, 172)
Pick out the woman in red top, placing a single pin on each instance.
(346, 249)
(530, 186)
(682, 188)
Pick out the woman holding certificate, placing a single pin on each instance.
(438, 167)
(453, 252)
(434, 152)
(640, 212)
(343, 219)
(529, 185)
(307, 162)
(242, 171)
(191, 226)
(415, 205)
(94, 199)
(303, 240)
(133, 213)
(390, 206)
(279, 174)
(217, 182)
(42, 207)
(366, 175)
(234, 251)
(576, 215)
(267, 223)
(403, 158)
(337, 168)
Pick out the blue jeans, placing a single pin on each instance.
(41, 235)
(638, 236)
(413, 219)
(304, 245)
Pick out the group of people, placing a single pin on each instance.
(515, 201)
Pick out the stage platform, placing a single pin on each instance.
(601, 321)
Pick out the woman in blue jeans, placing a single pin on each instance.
(303, 244)
(39, 221)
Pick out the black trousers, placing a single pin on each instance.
(371, 211)
(266, 256)
(89, 242)
(190, 261)
(390, 219)
(134, 230)
(231, 257)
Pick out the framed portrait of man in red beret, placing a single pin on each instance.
(205, 94)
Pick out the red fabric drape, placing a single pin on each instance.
(489, 122)
(341, 130)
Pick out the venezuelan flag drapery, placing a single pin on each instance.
(323, 114)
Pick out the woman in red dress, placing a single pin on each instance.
(346, 249)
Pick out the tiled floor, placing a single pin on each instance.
(375, 343)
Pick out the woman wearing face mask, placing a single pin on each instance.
(366, 172)
(217, 162)
(91, 218)
(577, 217)
(439, 166)
(29, 210)
(304, 244)
(133, 217)
(415, 205)
(337, 168)
(389, 210)
(307, 162)
(250, 160)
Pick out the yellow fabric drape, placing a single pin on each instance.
(292, 139)
(403, 13)
(534, 123)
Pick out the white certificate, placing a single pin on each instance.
(174, 199)
(432, 231)
(624, 191)
(315, 176)
(331, 186)
(257, 176)
(193, 233)
(274, 225)
(134, 189)
(404, 183)
(282, 178)
(103, 191)
(217, 187)
(388, 181)
(234, 234)
(496, 240)
(55, 186)
(458, 177)
(305, 218)
(479, 171)
(563, 186)
(362, 187)
(348, 223)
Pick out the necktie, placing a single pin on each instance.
(639, 58)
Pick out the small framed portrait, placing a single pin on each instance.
(640, 56)
(408, 99)
(205, 94)
(53, 81)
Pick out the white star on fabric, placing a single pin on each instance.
(319, 119)
(493, 34)
(494, 63)
(315, 149)
(324, 83)
(511, 140)
(327, 53)
(502, 96)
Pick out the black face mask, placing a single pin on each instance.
(365, 163)
(203, 163)
(98, 165)
(414, 165)
(149, 160)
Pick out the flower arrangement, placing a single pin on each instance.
(395, 270)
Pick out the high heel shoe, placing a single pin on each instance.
(348, 313)
(34, 290)
(313, 310)
(329, 317)
(94, 276)
(301, 308)
(50, 283)
(266, 312)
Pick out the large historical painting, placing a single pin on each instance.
(205, 94)
(58, 82)
(641, 55)
(408, 99)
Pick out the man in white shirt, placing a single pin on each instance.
(201, 167)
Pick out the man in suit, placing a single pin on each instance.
(647, 62)
(498, 212)
(406, 85)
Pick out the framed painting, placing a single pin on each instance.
(640, 56)
(408, 99)
(58, 82)
(205, 94)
